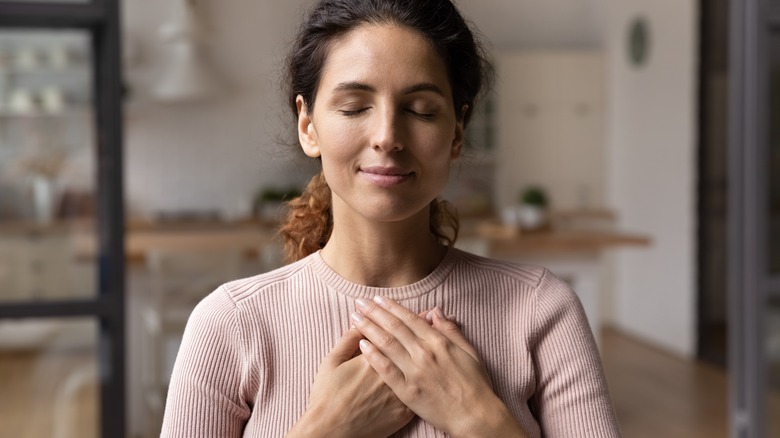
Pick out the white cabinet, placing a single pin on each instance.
(551, 127)
(41, 266)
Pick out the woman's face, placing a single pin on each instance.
(383, 123)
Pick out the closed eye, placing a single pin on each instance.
(424, 116)
(351, 113)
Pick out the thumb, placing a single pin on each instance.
(344, 350)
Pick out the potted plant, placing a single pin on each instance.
(268, 203)
(532, 213)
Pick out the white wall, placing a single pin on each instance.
(651, 171)
(535, 24)
(212, 155)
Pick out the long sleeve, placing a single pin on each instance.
(571, 397)
(204, 396)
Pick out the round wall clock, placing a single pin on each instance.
(638, 41)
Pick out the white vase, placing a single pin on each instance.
(509, 216)
(43, 199)
(531, 217)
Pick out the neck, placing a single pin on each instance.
(383, 254)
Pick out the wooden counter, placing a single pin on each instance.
(559, 242)
(500, 241)
(141, 237)
(140, 241)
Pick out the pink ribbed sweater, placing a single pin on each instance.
(252, 347)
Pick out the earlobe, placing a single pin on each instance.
(307, 134)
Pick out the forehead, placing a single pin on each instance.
(384, 56)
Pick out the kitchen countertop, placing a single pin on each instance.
(143, 237)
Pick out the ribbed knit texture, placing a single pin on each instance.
(252, 348)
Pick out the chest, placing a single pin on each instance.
(289, 350)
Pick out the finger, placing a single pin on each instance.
(385, 341)
(417, 325)
(389, 324)
(384, 367)
(344, 350)
(424, 314)
(428, 315)
(452, 332)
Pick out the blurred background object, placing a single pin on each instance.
(186, 76)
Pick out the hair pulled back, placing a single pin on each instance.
(309, 219)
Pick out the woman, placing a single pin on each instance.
(350, 339)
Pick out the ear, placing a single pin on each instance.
(307, 134)
(459, 138)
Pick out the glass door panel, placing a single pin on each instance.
(62, 330)
(47, 166)
(48, 372)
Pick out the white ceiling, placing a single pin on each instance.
(510, 24)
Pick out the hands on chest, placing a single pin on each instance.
(411, 364)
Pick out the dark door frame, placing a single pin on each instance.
(101, 19)
(749, 63)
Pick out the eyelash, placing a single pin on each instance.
(353, 113)
(424, 116)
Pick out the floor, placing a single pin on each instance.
(656, 394)
(50, 395)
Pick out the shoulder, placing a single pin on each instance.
(526, 274)
(245, 288)
(550, 294)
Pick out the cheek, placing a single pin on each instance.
(340, 149)
(439, 148)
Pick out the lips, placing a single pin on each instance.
(386, 176)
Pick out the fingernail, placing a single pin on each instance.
(357, 317)
(363, 345)
(361, 303)
(439, 313)
(429, 316)
(380, 300)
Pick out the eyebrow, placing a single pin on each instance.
(359, 86)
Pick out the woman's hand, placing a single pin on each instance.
(348, 399)
(432, 369)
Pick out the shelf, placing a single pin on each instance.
(79, 68)
(70, 112)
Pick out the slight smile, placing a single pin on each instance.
(386, 176)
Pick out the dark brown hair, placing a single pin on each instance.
(309, 221)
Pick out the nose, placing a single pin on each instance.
(385, 130)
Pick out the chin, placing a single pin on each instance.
(394, 211)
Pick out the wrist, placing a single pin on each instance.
(491, 419)
(313, 424)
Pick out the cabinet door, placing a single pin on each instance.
(14, 279)
(50, 263)
(550, 127)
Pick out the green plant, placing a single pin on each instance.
(534, 196)
(277, 195)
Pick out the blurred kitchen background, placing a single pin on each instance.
(601, 153)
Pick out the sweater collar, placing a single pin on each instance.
(418, 288)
